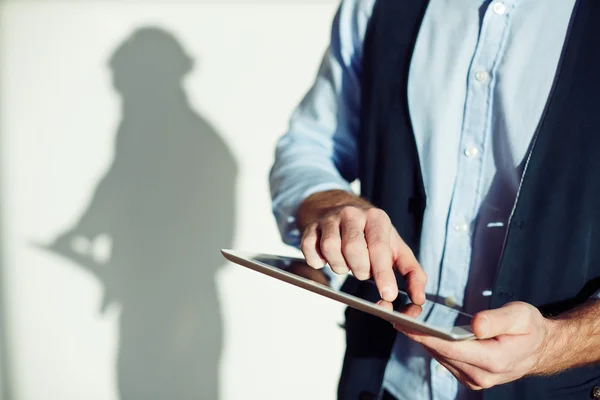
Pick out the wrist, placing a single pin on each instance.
(552, 348)
(572, 340)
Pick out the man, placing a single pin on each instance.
(473, 128)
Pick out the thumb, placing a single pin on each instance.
(512, 319)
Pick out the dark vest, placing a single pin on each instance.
(551, 257)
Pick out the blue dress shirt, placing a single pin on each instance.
(478, 83)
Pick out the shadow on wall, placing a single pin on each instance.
(153, 229)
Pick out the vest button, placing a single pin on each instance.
(596, 393)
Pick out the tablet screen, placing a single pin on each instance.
(434, 312)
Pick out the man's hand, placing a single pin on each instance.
(352, 235)
(514, 341)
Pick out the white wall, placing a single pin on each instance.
(69, 139)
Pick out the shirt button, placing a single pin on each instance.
(499, 8)
(450, 301)
(471, 152)
(461, 227)
(482, 76)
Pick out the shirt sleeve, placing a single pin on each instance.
(319, 150)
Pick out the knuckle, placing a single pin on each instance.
(495, 368)
(421, 276)
(483, 380)
(349, 212)
(498, 366)
(472, 386)
(339, 268)
(416, 275)
(309, 232)
(305, 247)
(352, 235)
(312, 228)
(529, 311)
(378, 243)
(330, 220)
(353, 247)
(521, 307)
(378, 214)
(330, 246)
(526, 313)
(359, 268)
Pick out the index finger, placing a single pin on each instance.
(410, 269)
(377, 234)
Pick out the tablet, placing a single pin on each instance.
(433, 317)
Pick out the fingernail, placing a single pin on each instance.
(387, 293)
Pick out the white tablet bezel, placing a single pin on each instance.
(247, 260)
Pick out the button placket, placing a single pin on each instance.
(474, 137)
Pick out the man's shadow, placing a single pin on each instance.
(153, 229)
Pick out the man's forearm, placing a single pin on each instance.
(319, 204)
(573, 340)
